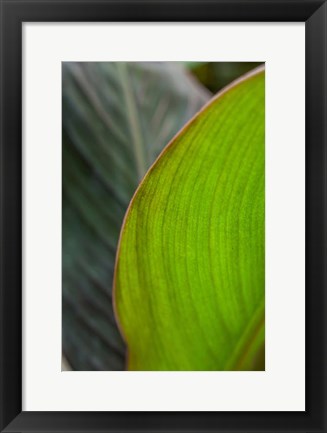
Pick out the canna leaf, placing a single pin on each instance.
(189, 279)
(116, 119)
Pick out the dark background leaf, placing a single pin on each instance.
(215, 76)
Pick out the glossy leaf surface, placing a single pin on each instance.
(189, 282)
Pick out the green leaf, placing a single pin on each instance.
(116, 119)
(189, 281)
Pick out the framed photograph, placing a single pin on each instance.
(163, 216)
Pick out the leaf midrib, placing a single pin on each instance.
(133, 121)
(247, 339)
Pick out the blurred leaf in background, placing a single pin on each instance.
(116, 118)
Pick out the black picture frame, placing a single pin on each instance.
(13, 14)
